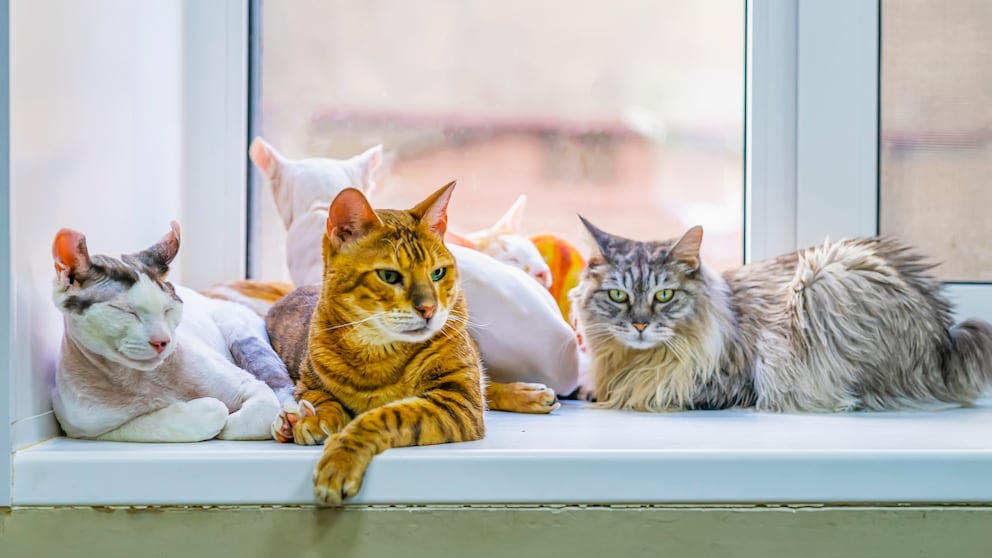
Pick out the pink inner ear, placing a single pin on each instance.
(69, 250)
(175, 230)
(260, 153)
(349, 216)
(434, 210)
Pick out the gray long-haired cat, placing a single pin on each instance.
(854, 324)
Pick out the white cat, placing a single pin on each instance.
(299, 188)
(515, 321)
(504, 242)
(145, 361)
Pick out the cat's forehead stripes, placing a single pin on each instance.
(107, 278)
(406, 242)
(641, 266)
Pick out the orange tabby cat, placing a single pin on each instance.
(387, 360)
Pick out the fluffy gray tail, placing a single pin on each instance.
(968, 366)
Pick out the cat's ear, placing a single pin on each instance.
(369, 162)
(605, 242)
(686, 250)
(459, 240)
(266, 158)
(434, 210)
(349, 217)
(157, 257)
(273, 166)
(71, 256)
(512, 221)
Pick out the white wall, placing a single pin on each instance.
(96, 111)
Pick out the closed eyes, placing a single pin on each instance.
(125, 310)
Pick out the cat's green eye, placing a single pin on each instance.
(438, 273)
(389, 276)
(616, 295)
(664, 295)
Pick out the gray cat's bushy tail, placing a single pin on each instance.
(968, 365)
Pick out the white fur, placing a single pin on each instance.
(505, 242)
(515, 321)
(177, 396)
(303, 190)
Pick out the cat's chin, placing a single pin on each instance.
(415, 336)
(640, 344)
(145, 365)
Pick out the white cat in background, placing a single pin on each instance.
(504, 242)
(514, 319)
(299, 188)
(145, 361)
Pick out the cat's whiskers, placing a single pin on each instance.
(467, 320)
(356, 322)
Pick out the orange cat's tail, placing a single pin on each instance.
(258, 296)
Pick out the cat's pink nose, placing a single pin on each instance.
(639, 326)
(426, 310)
(544, 277)
(159, 343)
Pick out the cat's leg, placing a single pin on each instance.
(320, 416)
(253, 405)
(254, 419)
(183, 421)
(256, 356)
(440, 416)
(521, 397)
(244, 334)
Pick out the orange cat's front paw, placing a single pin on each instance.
(312, 428)
(521, 397)
(340, 471)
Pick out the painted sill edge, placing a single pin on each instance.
(576, 456)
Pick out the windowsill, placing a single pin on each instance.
(578, 455)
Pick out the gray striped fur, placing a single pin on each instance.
(853, 324)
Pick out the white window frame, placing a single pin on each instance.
(811, 156)
(6, 478)
(812, 123)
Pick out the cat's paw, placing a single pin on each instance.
(340, 471)
(200, 419)
(522, 397)
(254, 419)
(313, 428)
(282, 427)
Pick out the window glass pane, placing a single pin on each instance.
(936, 131)
(629, 112)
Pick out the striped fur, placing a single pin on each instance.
(386, 363)
(854, 324)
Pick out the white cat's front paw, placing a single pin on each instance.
(253, 421)
(201, 419)
(282, 427)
